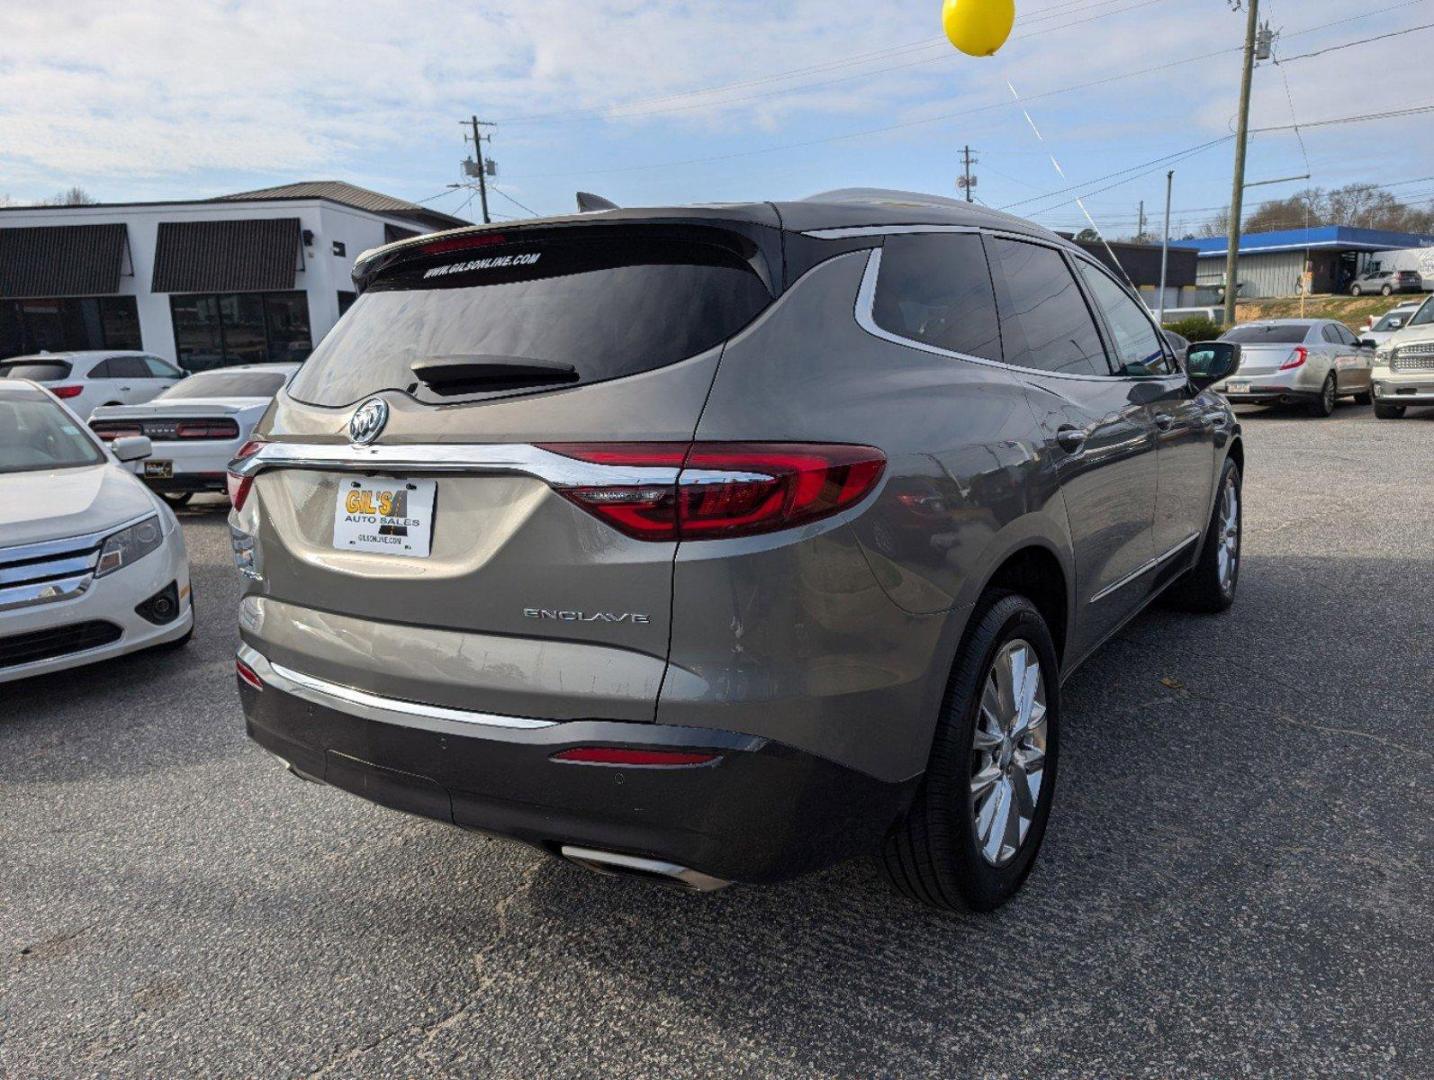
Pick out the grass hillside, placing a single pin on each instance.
(1350, 310)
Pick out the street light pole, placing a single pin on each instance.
(1165, 245)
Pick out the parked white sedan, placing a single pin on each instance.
(85, 380)
(92, 564)
(196, 427)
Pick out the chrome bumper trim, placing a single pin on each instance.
(1144, 568)
(376, 707)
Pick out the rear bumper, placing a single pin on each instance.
(1273, 395)
(762, 812)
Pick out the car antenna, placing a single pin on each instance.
(588, 203)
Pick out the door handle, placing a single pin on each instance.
(1164, 421)
(1071, 439)
(124, 389)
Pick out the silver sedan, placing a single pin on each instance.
(1310, 362)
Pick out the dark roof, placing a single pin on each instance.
(845, 209)
(350, 195)
(61, 260)
(252, 255)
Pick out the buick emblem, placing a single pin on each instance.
(367, 422)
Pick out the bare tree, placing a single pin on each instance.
(75, 196)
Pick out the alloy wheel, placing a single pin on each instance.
(1008, 753)
(1228, 536)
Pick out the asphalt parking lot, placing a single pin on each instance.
(1237, 879)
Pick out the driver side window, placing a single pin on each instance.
(1137, 347)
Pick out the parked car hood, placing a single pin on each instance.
(1411, 335)
(51, 504)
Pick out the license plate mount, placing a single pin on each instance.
(385, 515)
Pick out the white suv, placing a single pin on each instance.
(86, 380)
(1404, 366)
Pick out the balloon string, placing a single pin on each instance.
(1062, 174)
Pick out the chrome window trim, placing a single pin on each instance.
(855, 231)
(1144, 569)
(376, 706)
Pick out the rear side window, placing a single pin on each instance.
(607, 304)
(39, 370)
(1267, 334)
(1136, 345)
(127, 367)
(936, 288)
(1045, 323)
(159, 369)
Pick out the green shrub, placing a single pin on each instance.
(1196, 328)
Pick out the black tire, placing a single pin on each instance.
(933, 855)
(1203, 587)
(176, 499)
(1389, 412)
(1323, 405)
(1366, 398)
(1355, 290)
(1387, 291)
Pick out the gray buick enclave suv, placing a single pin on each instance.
(721, 543)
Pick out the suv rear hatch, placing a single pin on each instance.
(512, 364)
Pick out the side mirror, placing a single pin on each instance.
(1395, 324)
(1369, 343)
(131, 448)
(1209, 362)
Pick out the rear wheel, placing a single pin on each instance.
(1324, 404)
(1209, 585)
(176, 499)
(1387, 290)
(1389, 412)
(972, 834)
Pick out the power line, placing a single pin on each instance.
(1059, 10)
(1352, 44)
(515, 202)
(1107, 80)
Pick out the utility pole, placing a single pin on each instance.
(1242, 135)
(967, 181)
(1165, 244)
(481, 165)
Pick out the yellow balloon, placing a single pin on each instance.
(978, 27)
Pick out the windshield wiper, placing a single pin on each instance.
(452, 376)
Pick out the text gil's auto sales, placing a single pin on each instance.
(246, 278)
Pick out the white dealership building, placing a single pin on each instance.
(245, 278)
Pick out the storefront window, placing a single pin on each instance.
(69, 323)
(240, 328)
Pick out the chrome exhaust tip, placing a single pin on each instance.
(615, 865)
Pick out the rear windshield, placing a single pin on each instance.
(39, 370)
(1267, 335)
(228, 384)
(607, 306)
(35, 433)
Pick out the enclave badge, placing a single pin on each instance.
(368, 421)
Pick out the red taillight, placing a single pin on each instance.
(248, 675)
(1297, 358)
(239, 485)
(619, 755)
(67, 391)
(110, 432)
(463, 243)
(724, 489)
(206, 429)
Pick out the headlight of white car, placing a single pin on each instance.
(129, 545)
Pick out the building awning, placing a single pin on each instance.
(254, 255)
(61, 260)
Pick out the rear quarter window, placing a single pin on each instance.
(608, 305)
(935, 288)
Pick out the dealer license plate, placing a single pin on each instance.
(159, 470)
(1237, 388)
(385, 516)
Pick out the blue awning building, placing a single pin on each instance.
(1322, 260)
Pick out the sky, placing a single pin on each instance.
(662, 103)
